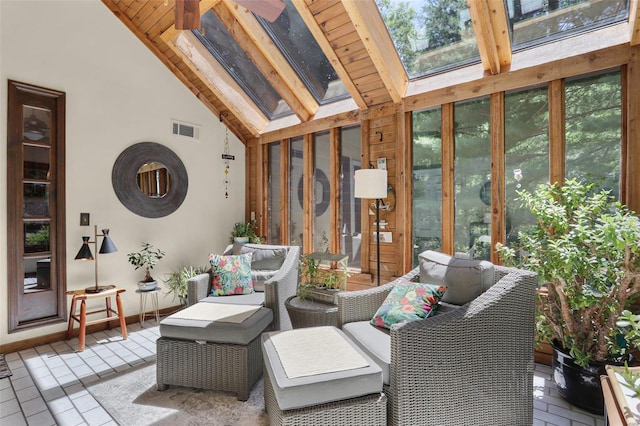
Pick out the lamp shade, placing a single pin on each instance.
(85, 251)
(107, 243)
(370, 183)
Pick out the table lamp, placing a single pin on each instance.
(84, 253)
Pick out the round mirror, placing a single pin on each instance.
(154, 180)
(149, 179)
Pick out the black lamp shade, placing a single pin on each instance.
(107, 244)
(85, 251)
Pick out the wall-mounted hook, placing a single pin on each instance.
(223, 114)
(379, 136)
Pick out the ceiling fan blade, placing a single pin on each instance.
(267, 9)
(187, 15)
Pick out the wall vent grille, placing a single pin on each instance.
(186, 130)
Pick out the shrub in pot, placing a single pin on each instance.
(146, 259)
(585, 249)
(176, 281)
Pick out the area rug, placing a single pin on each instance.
(4, 368)
(131, 398)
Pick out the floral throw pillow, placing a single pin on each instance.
(231, 274)
(408, 301)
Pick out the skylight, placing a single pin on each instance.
(291, 35)
(228, 53)
(431, 36)
(535, 22)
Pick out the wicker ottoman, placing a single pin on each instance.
(318, 376)
(212, 346)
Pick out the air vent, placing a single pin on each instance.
(186, 130)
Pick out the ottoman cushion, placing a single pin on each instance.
(375, 341)
(357, 374)
(256, 298)
(214, 322)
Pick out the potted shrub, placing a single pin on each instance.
(146, 259)
(244, 232)
(585, 249)
(321, 283)
(176, 281)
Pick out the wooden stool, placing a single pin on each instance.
(82, 295)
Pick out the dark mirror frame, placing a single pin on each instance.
(125, 185)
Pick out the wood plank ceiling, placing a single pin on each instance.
(350, 32)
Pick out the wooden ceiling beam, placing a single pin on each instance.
(320, 37)
(634, 23)
(259, 47)
(216, 78)
(375, 37)
(489, 20)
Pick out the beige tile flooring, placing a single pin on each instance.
(47, 386)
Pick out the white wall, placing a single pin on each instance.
(118, 93)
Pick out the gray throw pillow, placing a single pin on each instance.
(465, 279)
(265, 257)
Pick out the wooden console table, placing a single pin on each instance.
(82, 296)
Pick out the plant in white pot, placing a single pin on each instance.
(146, 259)
(586, 251)
(244, 232)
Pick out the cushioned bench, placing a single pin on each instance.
(318, 376)
(212, 346)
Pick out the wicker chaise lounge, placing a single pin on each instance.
(467, 365)
(194, 351)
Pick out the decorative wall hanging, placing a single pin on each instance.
(226, 158)
(126, 182)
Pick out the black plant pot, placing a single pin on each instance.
(578, 385)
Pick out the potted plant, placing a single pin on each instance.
(321, 283)
(176, 281)
(244, 232)
(146, 259)
(585, 249)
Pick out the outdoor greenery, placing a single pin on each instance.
(584, 248)
(146, 259)
(593, 141)
(245, 229)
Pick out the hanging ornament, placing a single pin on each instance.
(226, 158)
(517, 175)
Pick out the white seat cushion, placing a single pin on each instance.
(310, 390)
(374, 341)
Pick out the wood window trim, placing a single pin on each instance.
(15, 269)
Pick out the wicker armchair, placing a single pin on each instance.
(472, 365)
(276, 289)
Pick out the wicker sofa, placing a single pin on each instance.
(275, 279)
(467, 365)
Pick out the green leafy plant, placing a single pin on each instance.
(313, 275)
(631, 380)
(176, 280)
(245, 229)
(585, 250)
(146, 259)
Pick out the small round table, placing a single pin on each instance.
(309, 313)
(143, 304)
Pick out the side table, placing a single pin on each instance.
(309, 313)
(153, 295)
(82, 296)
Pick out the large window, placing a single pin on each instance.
(296, 193)
(472, 179)
(427, 181)
(526, 153)
(594, 130)
(321, 193)
(36, 206)
(350, 218)
(274, 202)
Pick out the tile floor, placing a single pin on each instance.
(47, 386)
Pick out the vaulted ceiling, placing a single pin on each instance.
(351, 33)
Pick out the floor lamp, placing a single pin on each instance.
(84, 253)
(372, 184)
